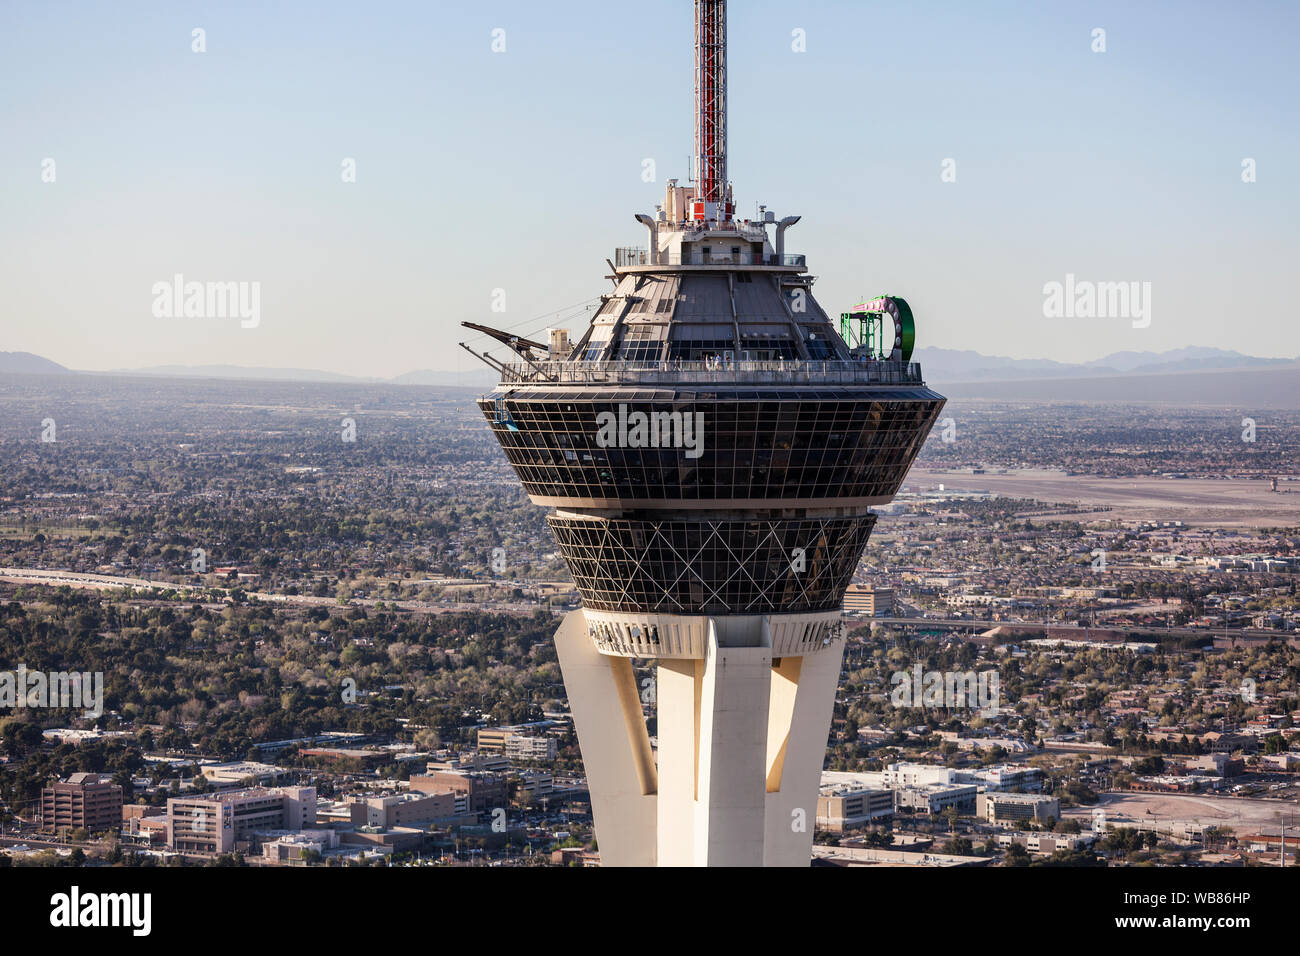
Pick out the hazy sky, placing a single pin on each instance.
(521, 170)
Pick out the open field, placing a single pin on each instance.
(1243, 814)
(1194, 501)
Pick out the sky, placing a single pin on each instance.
(503, 178)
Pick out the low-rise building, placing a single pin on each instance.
(534, 785)
(470, 760)
(219, 822)
(522, 747)
(934, 798)
(142, 823)
(402, 810)
(1006, 777)
(874, 602)
(475, 792)
(1216, 765)
(518, 742)
(997, 807)
(296, 847)
(242, 773)
(841, 808)
(1046, 843)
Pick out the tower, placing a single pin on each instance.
(711, 448)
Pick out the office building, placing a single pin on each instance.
(841, 808)
(222, 822)
(1010, 807)
(85, 801)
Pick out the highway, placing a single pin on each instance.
(108, 582)
(105, 582)
(1136, 632)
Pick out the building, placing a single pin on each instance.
(713, 446)
(1216, 765)
(1287, 760)
(402, 810)
(515, 744)
(575, 856)
(841, 808)
(533, 786)
(470, 760)
(1004, 777)
(221, 822)
(1001, 807)
(898, 775)
(934, 798)
(519, 742)
(144, 824)
(475, 792)
(537, 749)
(493, 739)
(292, 848)
(242, 773)
(873, 602)
(1045, 844)
(85, 801)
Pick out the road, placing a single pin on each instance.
(1134, 631)
(108, 582)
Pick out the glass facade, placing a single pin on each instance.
(695, 350)
(771, 446)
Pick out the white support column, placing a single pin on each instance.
(712, 723)
(742, 739)
(612, 754)
(677, 687)
(729, 811)
(803, 752)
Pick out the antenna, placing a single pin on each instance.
(711, 106)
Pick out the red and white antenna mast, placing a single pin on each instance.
(711, 108)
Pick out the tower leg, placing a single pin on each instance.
(741, 743)
(803, 702)
(712, 729)
(614, 745)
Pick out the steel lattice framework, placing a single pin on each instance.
(720, 566)
(711, 102)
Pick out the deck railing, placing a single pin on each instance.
(773, 372)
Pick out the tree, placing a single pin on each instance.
(1017, 855)
(959, 846)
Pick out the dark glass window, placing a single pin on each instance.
(694, 350)
(639, 350)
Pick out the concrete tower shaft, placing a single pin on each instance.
(712, 449)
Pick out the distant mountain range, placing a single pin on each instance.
(952, 365)
(941, 367)
(28, 364)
